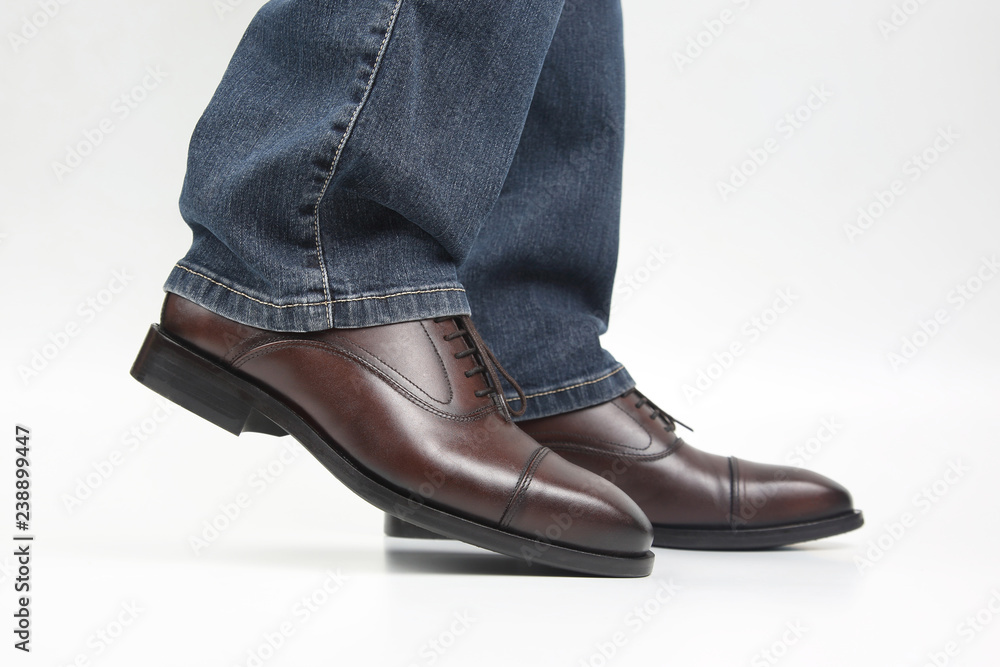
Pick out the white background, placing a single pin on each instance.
(899, 427)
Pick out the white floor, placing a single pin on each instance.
(305, 559)
(384, 601)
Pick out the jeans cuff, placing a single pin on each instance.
(402, 304)
(576, 395)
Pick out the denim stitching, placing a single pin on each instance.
(321, 303)
(579, 384)
(340, 148)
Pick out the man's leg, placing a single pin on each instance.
(337, 179)
(540, 281)
(351, 153)
(540, 275)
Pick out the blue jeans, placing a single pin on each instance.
(373, 161)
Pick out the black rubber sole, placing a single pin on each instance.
(700, 539)
(199, 384)
(755, 538)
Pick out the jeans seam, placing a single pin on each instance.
(328, 302)
(578, 384)
(336, 157)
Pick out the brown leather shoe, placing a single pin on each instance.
(695, 500)
(408, 417)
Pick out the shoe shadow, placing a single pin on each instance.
(416, 556)
(399, 556)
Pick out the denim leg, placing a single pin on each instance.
(540, 276)
(350, 155)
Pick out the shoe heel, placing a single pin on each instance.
(198, 384)
(396, 527)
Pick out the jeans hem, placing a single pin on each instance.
(577, 394)
(352, 311)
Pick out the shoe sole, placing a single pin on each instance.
(222, 396)
(751, 539)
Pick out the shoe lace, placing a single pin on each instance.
(486, 365)
(669, 422)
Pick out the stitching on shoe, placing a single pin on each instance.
(733, 492)
(519, 494)
(568, 438)
(573, 438)
(248, 345)
(583, 449)
(451, 394)
(475, 415)
(637, 423)
(444, 369)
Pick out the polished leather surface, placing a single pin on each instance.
(397, 400)
(678, 485)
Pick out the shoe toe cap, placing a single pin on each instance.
(567, 505)
(773, 495)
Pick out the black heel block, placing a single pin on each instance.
(396, 527)
(198, 384)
